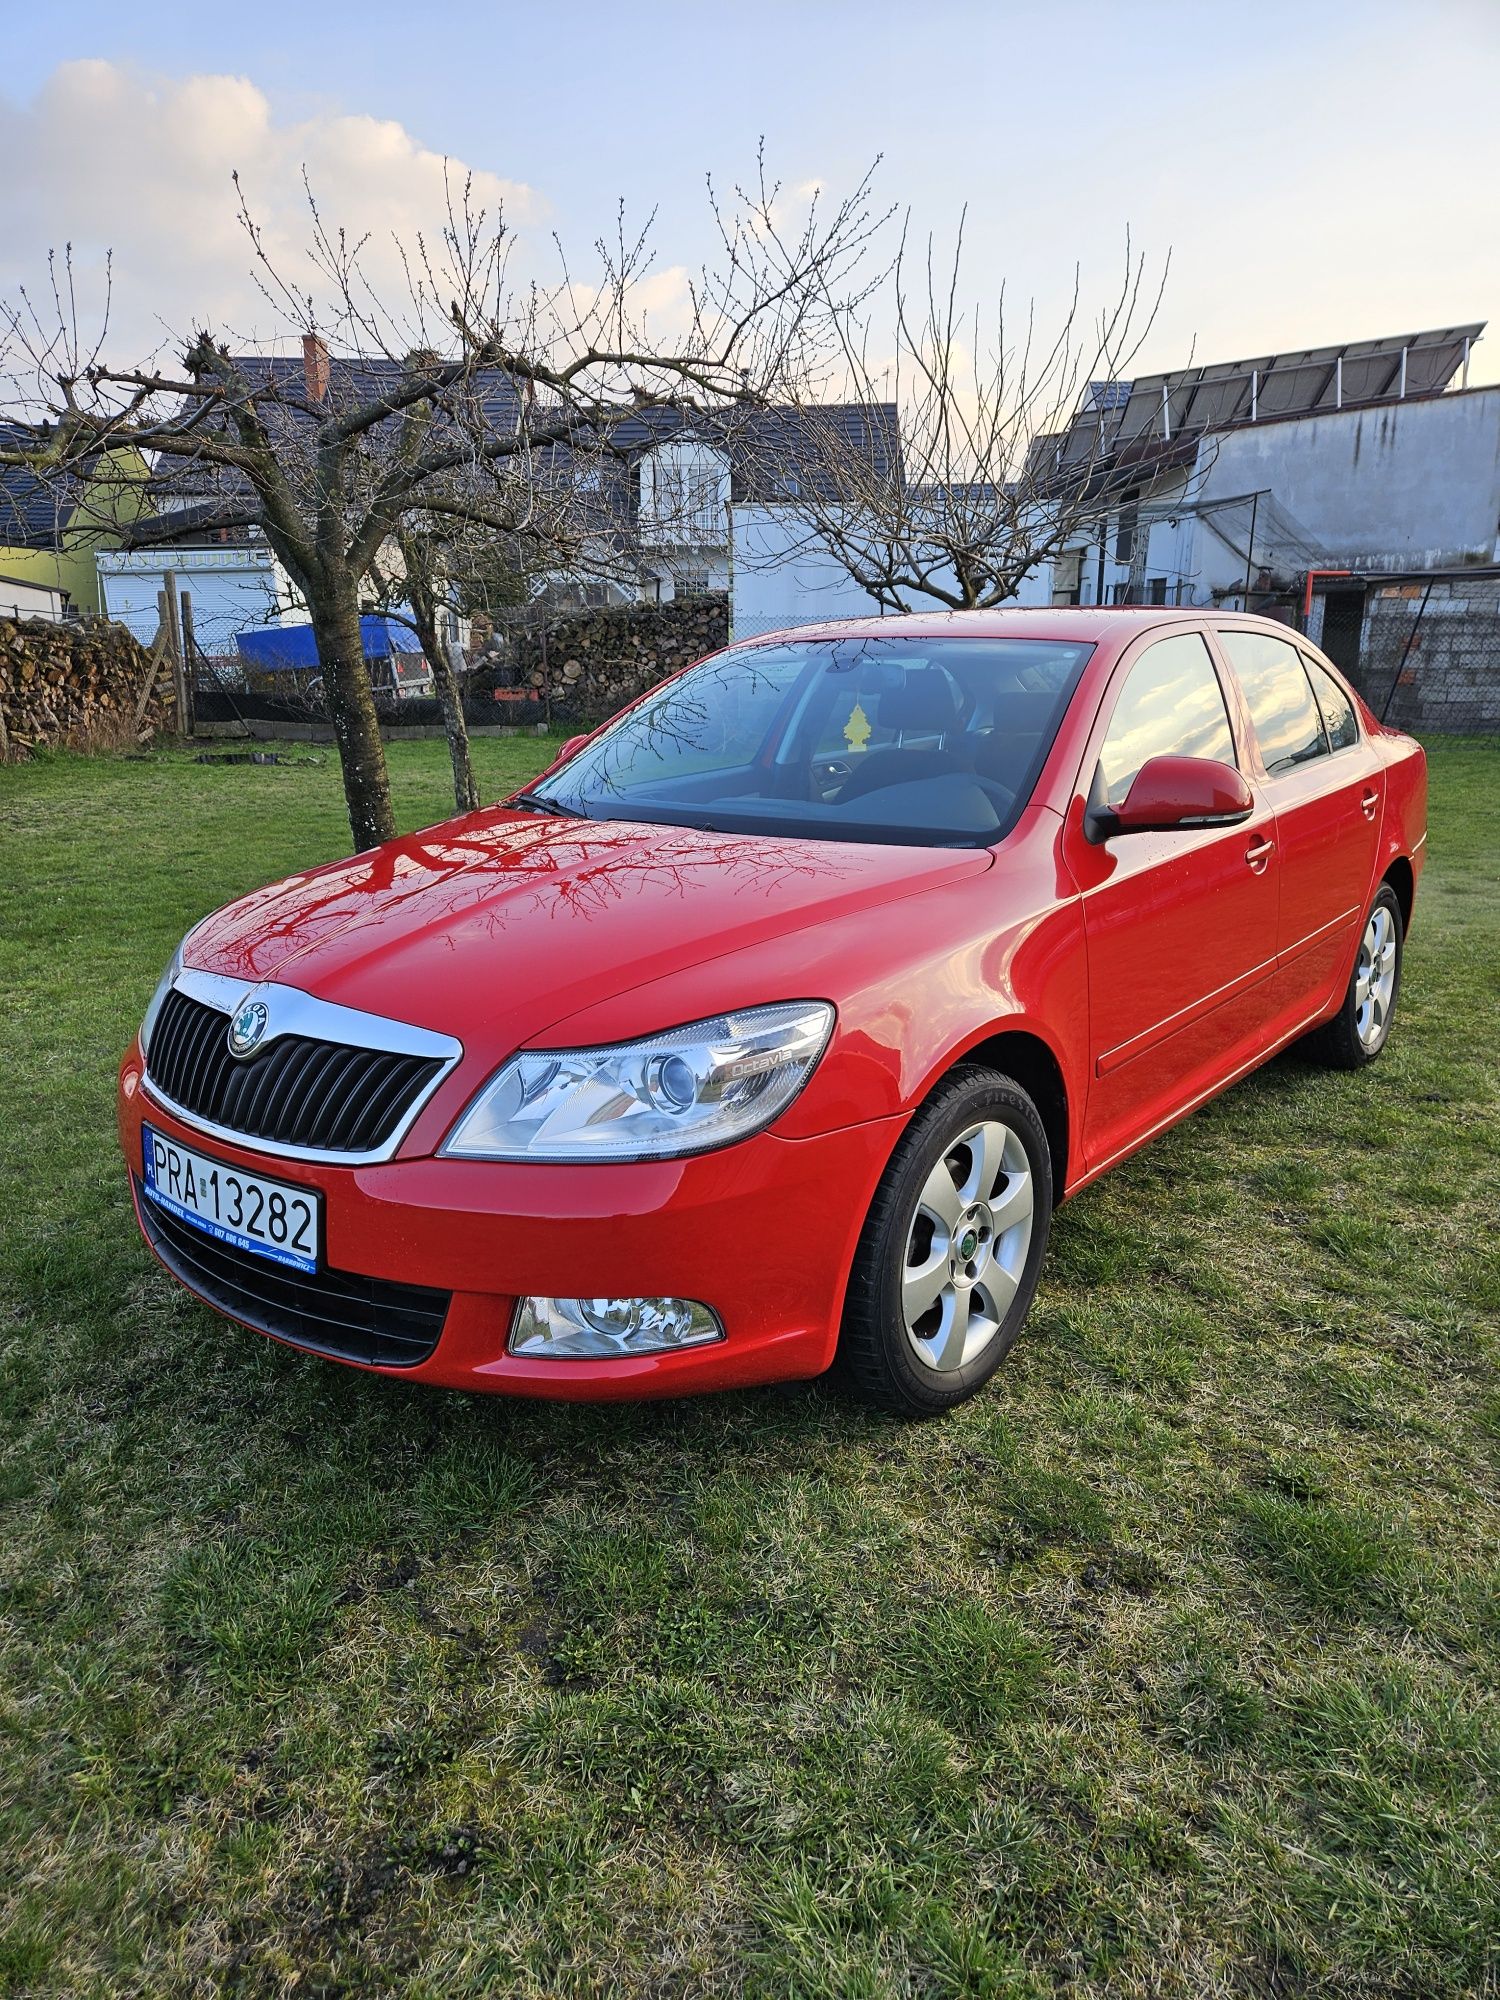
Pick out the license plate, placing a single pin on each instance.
(269, 1218)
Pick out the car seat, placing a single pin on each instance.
(926, 702)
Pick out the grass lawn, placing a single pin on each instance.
(1168, 1667)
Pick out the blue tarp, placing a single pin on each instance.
(272, 647)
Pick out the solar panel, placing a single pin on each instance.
(1109, 395)
(1154, 408)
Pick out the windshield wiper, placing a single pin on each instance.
(530, 802)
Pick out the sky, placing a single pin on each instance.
(1317, 172)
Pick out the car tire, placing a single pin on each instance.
(948, 1260)
(1360, 1029)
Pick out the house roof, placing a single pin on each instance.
(356, 380)
(782, 446)
(775, 454)
(194, 495)
(34, 513)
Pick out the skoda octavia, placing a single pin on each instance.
(765, 1030)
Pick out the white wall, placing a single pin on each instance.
(21, 599)
(782, 576)
(1412, 485)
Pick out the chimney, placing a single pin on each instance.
(315, 367)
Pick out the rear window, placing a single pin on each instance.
(1339, 718)
(1288, 725)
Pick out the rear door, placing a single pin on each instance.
(1327, 787)
(1181, 926)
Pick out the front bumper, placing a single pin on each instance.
(764, 1232)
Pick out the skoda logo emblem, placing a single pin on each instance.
(247, 1028)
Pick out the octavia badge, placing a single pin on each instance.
(248, 1028)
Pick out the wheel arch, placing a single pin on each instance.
(1402, 878)
(1030, 1061)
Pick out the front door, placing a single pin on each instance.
(1180, 926)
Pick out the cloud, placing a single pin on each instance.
(109, 158)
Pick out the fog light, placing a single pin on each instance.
(607, 1329)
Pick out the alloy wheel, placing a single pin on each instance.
(966, 1247)
(1375, 979)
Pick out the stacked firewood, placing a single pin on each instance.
(78, 686)
(597, 661)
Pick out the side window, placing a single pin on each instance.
(1170, 706)
(1287, 723)
(1339, 718)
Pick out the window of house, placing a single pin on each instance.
(1170, 706)
(1288, 725)
(1126, 525)
(1339, 718)
(1156, 590)
(681, 497)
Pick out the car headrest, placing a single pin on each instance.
(926, 699)
(1023, 711)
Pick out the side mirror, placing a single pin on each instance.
(1172, 794)
(573, 743)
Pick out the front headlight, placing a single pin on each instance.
(683, 1092)
(154, 1006)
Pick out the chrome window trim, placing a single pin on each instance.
(294, 1012)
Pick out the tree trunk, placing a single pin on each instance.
(428, 618)
(351, 708)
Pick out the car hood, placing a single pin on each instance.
(494, 925)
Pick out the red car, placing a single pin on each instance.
(774, 1019)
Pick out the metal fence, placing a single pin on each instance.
(756, 627)
(565, 666)
(1423, 650)
(1429, 654)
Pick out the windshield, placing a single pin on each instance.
(910, 741)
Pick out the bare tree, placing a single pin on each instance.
(487, 537)
(472, 377)
(982, 471)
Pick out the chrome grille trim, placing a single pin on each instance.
(302, 1015)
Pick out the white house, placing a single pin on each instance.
(1234, 480)
(783, 576)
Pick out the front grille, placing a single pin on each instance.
(326, 1096)
(335, 1312)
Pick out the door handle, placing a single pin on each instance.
(1258, 857)
(1369, 799)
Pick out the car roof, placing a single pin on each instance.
(1078, 623)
